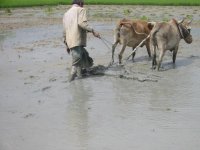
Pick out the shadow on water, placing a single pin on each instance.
(183, 62)
(3, 37)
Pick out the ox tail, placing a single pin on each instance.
(153, 37)
(154, 44)
(154, 31)
(117, 33)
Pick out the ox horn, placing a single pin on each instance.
(189, 22)
(181, 20)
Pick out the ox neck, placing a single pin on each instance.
(179, 28)
(180, 32)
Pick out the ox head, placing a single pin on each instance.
(185, 28)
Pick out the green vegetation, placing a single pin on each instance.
(144, 18)
(146, 2)
(23, 3)
(48, 10)
(8, 11)
(127, 11)
(189, 16)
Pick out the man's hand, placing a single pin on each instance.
(67, 48)
(96, 34)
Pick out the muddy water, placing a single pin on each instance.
(129, 107)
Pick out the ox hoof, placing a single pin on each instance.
(111, 63)
(153, 67)
(120, 64)
(161, 69)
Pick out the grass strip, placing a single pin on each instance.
(25, 3)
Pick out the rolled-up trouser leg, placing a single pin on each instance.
(80, 60)
(80, 57)
(79, 73)
(72, 73)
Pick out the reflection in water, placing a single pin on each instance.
(3, 36)
(160, 97)
(77, 115)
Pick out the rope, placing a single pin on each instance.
(106, 42)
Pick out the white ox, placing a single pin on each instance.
(166, 36)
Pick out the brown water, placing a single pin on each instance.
(40, 110)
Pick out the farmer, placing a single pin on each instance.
(75, 35)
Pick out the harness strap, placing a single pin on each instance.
(179, 28)
(180, 31)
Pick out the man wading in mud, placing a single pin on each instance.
(75, 36)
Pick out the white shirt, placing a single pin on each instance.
(76, 26)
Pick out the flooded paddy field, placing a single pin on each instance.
(120, 108)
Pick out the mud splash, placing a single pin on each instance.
(120, 72)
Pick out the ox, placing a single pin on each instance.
(131, 33)
(166, 36)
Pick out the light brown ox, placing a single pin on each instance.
(166, 36)
(131, 33)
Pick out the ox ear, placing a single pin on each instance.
(151, 25)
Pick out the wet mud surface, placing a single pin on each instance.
(119, 107)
